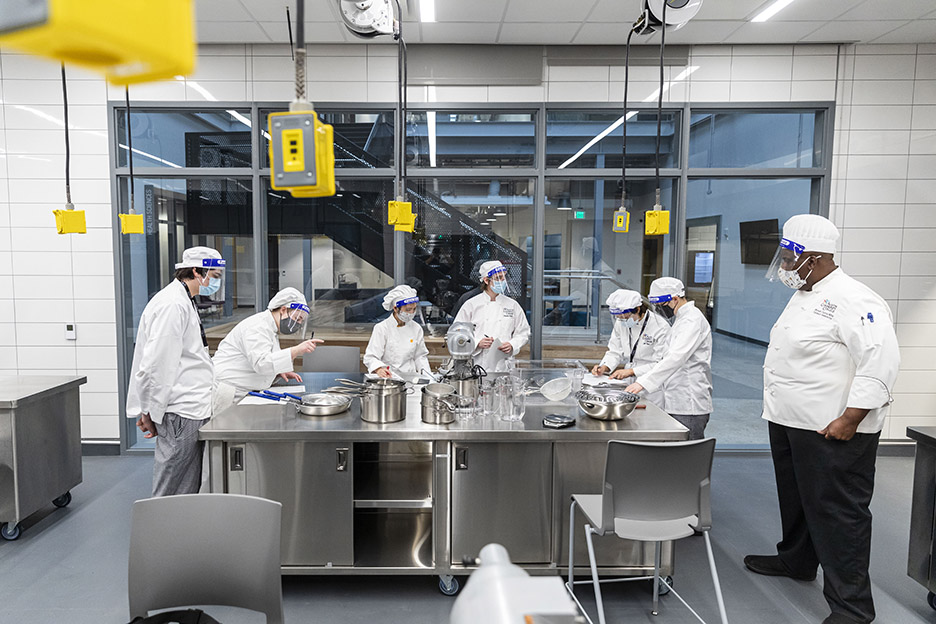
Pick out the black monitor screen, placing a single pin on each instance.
(759, 241)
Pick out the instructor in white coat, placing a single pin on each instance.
(171, 374)
(638, 340)
(501, 327)
(250, 358)
(828, 376)
(685, 372)
(397, 344)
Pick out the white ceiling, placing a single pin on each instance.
(583, 22)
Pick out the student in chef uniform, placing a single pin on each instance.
(497, 318)
(171, 374)
(250, 358)
(685, 371)
(637, 340)
(828, 376)
(397, 344)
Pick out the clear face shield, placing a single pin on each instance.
(211, 285)
(409, 310)
(625, 315)
(661, 306)
(787, 258)
(498, 277)
(295, 320)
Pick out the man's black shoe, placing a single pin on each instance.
(771, 565)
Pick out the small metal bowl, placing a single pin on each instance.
(606, 403)
(320, 404)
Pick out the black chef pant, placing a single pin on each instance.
(824, 489)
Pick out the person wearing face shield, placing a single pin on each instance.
(250, 358)
(397, 345)
(685, 371)
(828, 376)
(171, 374)
(637, 340)
(497, 319)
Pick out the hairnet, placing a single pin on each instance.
(811, 232)
(285, 297)
(201, 257)
(397, 294)
(663, 286)
(490, 267)
(623, 299)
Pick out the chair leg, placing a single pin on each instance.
(657, 548)
(594, 571)
(571, 544)
(718, 593)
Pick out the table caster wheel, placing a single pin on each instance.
(8, 533)
(63, 500)
(931, 599)
(449, 589)
(663, 587)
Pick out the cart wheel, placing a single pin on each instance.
(449, 589)
(665, 588)
(931, 599)
(9, 534)
(63, 500)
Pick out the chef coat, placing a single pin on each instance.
(646, 342)
(685, 371)
(403, 349)
(832, 347)
(250, 358)
(171, 369)
(502, 319)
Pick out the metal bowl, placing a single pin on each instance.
(317, 404)
(606, 403)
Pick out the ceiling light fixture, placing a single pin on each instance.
(771, 10)
(427, 11)
(500, 214)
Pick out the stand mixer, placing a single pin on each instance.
(461, 370)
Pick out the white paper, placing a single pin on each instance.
(499, 356)
(593, 380)
(255, 400)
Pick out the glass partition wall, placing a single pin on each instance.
(533, 187)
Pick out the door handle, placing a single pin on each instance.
(342, 460)
(461, 458)
(237, 458)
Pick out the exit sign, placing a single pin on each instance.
(579, 214)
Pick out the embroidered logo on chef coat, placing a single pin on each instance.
(508, 312)
(647, 340)
(826, 309)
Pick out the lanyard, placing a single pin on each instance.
(634, 345)
(201, 327)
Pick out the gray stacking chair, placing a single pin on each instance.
(331, 359)
(206, 549)
(653, 492)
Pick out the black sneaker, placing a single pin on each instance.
(772, 565)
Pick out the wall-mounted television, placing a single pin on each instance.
(759, 241)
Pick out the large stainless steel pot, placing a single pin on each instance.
(383, 408)
(606, 403)
(436, 404)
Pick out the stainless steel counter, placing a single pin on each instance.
(921, 560)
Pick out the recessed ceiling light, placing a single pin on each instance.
(771, 10)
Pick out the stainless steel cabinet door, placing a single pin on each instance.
(502, 493)
(313, 481)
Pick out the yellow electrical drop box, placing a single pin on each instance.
(70, 221)
(621, 222)
(129, 41)
(131, 224)
(657, 222)
(400, 216)
(302, 154)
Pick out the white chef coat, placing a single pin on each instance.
(685, 371)
(832, 347)
(171, 369)
(249, 357)
(403, 349)
(502, 319)
(650, 343)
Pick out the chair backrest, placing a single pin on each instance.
(206, 549)
(329, 359)
(659, 480)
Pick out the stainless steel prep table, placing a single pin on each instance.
(40, 445)
(921, 564)
(413, 498)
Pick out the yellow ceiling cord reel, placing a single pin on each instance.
(302, 148)
(130, 223)
(129, 41)
(68, 221)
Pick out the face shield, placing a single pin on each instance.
(787, 258)
(408, 309)
(498, 277)
(295, 320)
(661, 306)
(211, 285)
(620, 314)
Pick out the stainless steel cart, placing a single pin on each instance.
(40, 446)
(921, 562)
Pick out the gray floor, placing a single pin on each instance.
(70, 565)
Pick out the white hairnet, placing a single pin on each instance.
(201, 258)
(813, 232)
(664, 286)
(285, 297)
(490, 267)
(398, 294)
(623, 299)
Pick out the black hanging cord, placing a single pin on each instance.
(300, 54)
(402, 77)
(68, 200)
(300, 24)
(624, 142)
(129, 147)
(660, 102)
(292, 54)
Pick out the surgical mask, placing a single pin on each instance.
(405, 317)
(627, 322)
(500, 286)
(667, 312)
(289, 326)
(214, 285)
(791, 278)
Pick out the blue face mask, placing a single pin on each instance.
(214, 285)
(500, 286)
